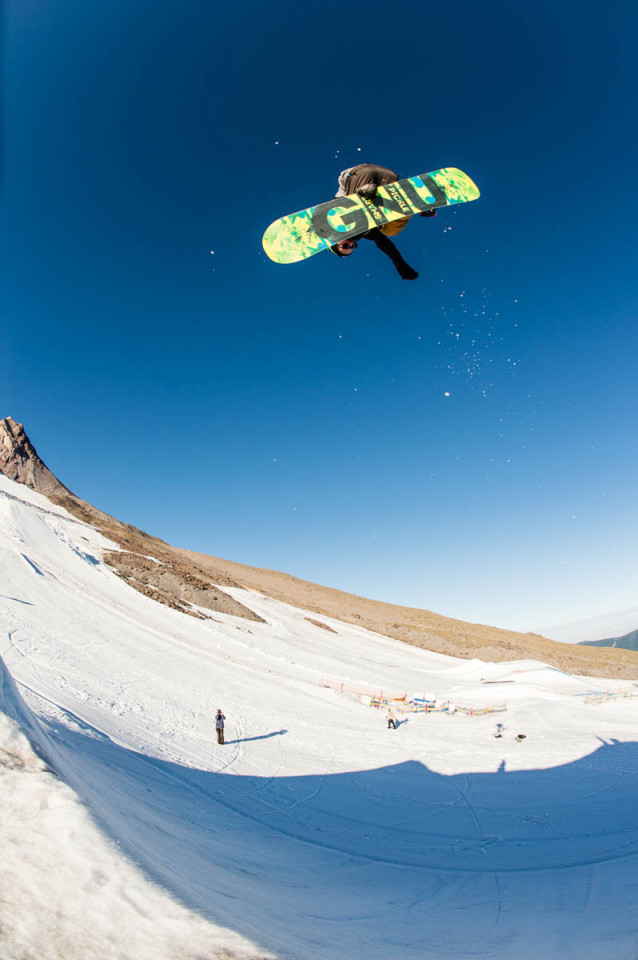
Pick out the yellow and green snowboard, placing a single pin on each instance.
(301, 235)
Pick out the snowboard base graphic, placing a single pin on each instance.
(301, 235)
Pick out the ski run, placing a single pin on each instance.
(314, 832)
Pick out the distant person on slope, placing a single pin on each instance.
(364, 180)
(219, 726)
(392, 724)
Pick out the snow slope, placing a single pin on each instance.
(314, 833)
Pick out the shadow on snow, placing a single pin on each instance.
(327, 865)
(264, 736)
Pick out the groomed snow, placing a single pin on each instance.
(314, 833)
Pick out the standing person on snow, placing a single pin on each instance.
(364, 180)
(392, 724)
(219, 726)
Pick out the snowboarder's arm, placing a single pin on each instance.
(386, 246)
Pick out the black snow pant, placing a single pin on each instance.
(220, 734)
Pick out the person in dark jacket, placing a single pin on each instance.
(364, 179)
(219, 726)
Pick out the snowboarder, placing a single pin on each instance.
(392, 724)
(364, 180)
(219, 726)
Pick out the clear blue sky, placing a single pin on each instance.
(464, 443)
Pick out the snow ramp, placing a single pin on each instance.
(344, 846)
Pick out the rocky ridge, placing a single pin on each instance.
(20, 462)
(166, 579)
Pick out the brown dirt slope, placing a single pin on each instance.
(183, 577)
(419, 627)
(174, 583)
(424, 628)
(166, 577)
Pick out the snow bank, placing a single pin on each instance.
(66, 891)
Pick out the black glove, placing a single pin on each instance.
(406, 272)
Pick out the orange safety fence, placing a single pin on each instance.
(602, 696)
(403, 703)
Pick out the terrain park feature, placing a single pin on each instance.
(301, 235)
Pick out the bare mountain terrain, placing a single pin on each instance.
(629, 641)
(179, 578)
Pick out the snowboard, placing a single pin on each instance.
(301, 235)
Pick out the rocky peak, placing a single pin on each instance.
(19, 461)
(164, 575)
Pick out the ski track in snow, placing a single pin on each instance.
(314, 833)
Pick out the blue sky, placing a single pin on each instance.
(463, 443)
